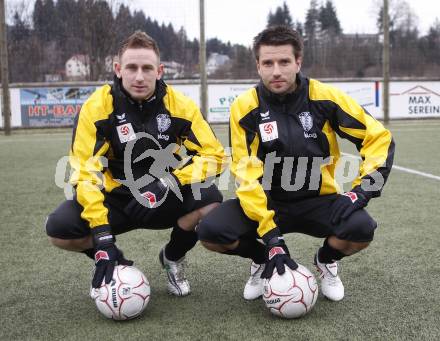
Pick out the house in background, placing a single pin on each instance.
(172, 69)
(215, 61)
(78, 67)
(54, 77)
(109, 61)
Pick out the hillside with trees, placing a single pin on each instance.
(40, 44)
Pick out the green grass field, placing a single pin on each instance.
(392, 288)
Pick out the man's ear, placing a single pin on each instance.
(160, 71)
(299, 62)
(117, 68)
(258, 66)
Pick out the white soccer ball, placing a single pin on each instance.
(292, 294)
(125, 297)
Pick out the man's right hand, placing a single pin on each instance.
(106, 255)
(152, 196)
(277, 256)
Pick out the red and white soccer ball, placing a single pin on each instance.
(125, 297)
(292, 294)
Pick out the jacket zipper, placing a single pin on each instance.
(289, 133)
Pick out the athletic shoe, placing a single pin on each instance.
(254, 286)
(331, 284)
(177, 284)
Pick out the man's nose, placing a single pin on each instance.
(139, 76)
(276, 69)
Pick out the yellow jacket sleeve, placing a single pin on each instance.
(373, 141)
(85, 159)
(247, 167)
(208, 156)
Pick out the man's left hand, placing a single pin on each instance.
(346, 204)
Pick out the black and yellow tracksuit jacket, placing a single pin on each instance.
(297, 133)
(110, 119)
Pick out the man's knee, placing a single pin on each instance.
(208, 208)
(53, 224)
(347, 247)
(190, 220)
(221, 248)
(78, 245)
(56, 227)
(224, 225)
(360, 228)
(212, 231)
(365, 232)
(358, 246)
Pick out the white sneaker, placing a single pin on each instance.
(331, 284)
(177, 284)
(254, 286)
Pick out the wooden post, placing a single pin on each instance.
(202, 61)
(386, 64)
(6, 101)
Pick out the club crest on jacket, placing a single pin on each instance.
(306, 121)
(163, 122)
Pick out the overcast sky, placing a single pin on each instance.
(239, 21)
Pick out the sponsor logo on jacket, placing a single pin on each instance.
(126, 132)
(121, 118)
(268, 131)
(265, 115)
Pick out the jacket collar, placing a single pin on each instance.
(282, 99)
(121, 93)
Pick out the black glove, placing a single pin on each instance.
(277, 254)
(151, 196)
(347, 203)
(106, 255)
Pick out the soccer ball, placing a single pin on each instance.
(125, 297)
(292, 294)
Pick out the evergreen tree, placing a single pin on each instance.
(39, 20)
(216, 45)
(181, 54)
(21, 45)
(299, 27)
(329, 19)
(58, 29)
(429, 45)
(124, 21)
(280, 17)
(100, 30)
(243, 65)
(170, 41)
(70, 39)
(19, 29)
(46, 23)
(312, 25)
(433, 39)
(192, 56)
(139, 21)
(312, 28)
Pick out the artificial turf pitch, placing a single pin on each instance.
(392, 288)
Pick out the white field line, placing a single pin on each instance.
(404, 169)
(402, 129)
(18, 135)
(5, 140)
(415, 123)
